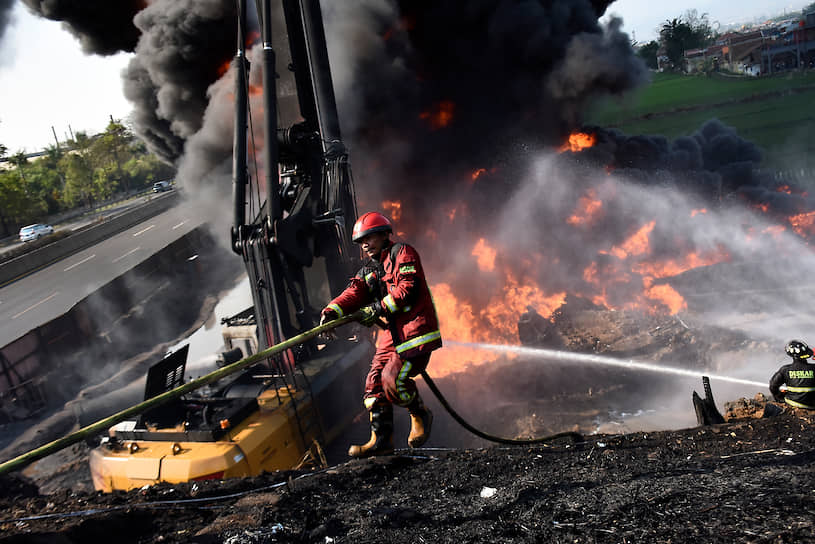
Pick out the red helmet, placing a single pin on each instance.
(368, 223)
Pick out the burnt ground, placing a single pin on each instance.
(748, 480)
(742, 481)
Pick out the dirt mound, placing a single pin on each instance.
(742, 481)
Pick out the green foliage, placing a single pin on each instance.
(79, 180)
(691, 31)
(16, 205)
(109, 150)
(648, 53)
(44, 184)
(144, 170)
(79, 172)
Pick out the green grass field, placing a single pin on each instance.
(781, 123)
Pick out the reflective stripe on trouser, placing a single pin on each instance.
(798, 404)
(390, 379)
(418, 341)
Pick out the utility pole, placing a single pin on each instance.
(54, 132)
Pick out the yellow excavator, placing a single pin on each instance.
(278, 413)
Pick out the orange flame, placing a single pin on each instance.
(694, 213)
(477, 174)
(440, 116)
(485, 256)
(578, 141)
(637, 243)
(621, 271)
(393, 208)
(774, 230)
(672, 267)
(252, 37)
(223, 68)
(589, 209)
(494, 322)
(666, 295)
(803, 223)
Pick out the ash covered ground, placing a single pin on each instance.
(744, 481)
(748, 480)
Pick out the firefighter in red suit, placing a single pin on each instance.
(392, 286)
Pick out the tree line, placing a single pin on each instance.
(78, 173)
(690, 31)
(677, 35)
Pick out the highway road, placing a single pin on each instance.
(87, 219)
(36, 299)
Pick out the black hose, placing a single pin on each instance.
(577, 437)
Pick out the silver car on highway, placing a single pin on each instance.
(33, 232)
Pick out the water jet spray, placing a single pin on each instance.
(588, 358)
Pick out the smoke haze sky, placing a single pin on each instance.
(47, 81)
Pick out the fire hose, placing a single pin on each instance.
(104, 424)
(576, 437)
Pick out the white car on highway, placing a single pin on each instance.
(33, 232)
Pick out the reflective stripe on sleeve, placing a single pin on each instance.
(390, 303)
(800, 389)
(337, 309)
(798, 404)
(418, 341)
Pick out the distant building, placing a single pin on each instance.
(770, 48)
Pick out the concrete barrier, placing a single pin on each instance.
(31, 262)
(119, 329)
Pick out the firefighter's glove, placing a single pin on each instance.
(371, 314)
(326, 316)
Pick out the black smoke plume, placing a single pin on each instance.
(183, 48)
(446, 106)
(443, 82)
(5, 16)
(180, 48)
(104, 27)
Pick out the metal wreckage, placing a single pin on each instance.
(276, 411)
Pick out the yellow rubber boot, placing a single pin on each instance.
(421, 421)
(381, 441)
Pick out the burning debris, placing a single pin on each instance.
(462, 148)
(464, 124)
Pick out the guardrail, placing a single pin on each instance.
(24, 265)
